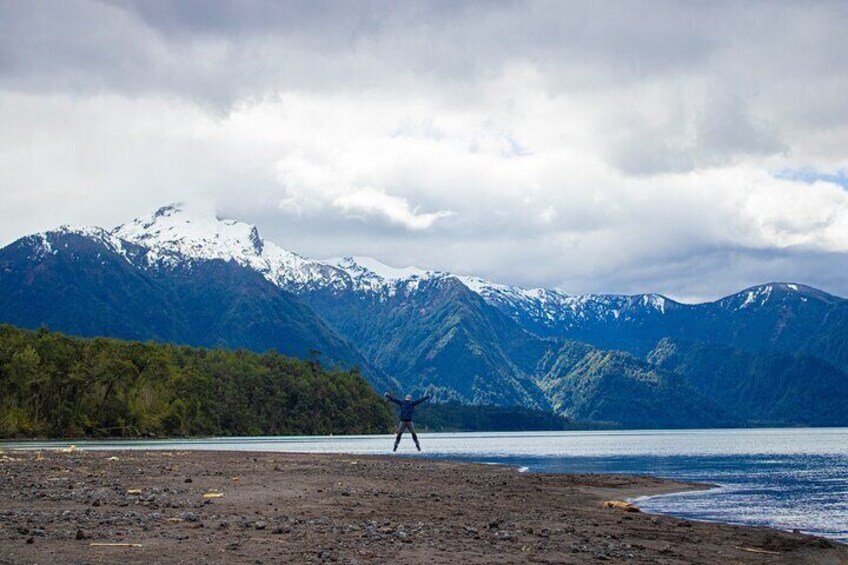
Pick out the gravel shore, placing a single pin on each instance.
(237, 507)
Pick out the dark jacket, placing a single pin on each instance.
(407, 407)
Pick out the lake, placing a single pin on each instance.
(784, 478)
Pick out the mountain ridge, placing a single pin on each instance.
(632, 323)
(180, 276)
(291, 269)
(84, 283)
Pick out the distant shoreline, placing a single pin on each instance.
(9, 442)
(224, 506)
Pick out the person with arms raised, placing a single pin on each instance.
(407, 407)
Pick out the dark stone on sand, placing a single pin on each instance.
(188, 516)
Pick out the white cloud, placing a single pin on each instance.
(368, 202)
(600, 147)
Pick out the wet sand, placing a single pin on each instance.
(237, 507)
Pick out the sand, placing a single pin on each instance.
(237, 507)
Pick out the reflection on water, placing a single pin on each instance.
(784, 478)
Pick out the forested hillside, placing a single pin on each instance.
(761, 389)
(453, 417)
(89, 285)
(59, 386)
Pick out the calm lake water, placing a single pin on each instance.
(783, 478)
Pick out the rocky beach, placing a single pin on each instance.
(237, 507)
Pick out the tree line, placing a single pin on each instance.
(453, 416)
(53, 385)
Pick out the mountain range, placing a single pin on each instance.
(772, 354)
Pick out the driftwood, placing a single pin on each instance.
(756, 550)
(620, 505)
(98, 544)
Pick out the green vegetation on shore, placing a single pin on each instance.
(52, 385)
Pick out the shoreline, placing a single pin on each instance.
(221, 506)
(14, 442)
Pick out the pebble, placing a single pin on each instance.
(189, 516)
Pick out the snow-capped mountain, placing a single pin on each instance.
(159, 284)
(552, 310)
(371, 269)
(370, 276)
(176, 234)
(773, 294)
(43, 243)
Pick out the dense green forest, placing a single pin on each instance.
(453, 417)
(52, 385)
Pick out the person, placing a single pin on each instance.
(407, 407)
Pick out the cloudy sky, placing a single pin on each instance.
(687, 148)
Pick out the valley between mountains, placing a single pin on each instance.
(775, 354)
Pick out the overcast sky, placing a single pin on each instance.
(686, 148)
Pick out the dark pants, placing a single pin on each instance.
(407, 425)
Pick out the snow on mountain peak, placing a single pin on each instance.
(358, 267)
(176, 232)
(89, 232)
(487, 289)
(656, 301)
(778, 292)
(370, 275)
(194, 233)
(542, 304)
(44, 243)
